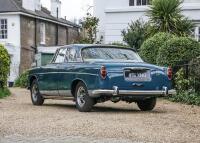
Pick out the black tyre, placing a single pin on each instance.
(36, 97)
(147, 105)
(84, 102)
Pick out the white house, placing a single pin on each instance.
(26, 25)
(115, 15)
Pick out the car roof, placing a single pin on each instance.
(81, 46)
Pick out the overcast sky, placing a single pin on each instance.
(72, 8)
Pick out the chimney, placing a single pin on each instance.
(56, 8)
(37, 4)
(32, 5)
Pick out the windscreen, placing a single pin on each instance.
(110, 54)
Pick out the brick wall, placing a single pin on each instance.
(30, 36)
(51, 31)
(73, 35)
(62, 35)
(27, 40)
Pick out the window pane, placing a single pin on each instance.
(3, 28)
(2, 21)
(144, 2)
(61, 56)
(139, 2)
(110, 54)
(131, 2)
(42, 33)
(72, 55)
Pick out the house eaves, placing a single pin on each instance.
(12, 7)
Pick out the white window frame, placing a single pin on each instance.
(42, 33)
(3, 28)
(136, 1)
(197, 33)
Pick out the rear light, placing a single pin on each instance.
(103, 72)
(169, 73)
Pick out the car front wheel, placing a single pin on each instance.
(84, 102)
(36, 97)
(147, 105)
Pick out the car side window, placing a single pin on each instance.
(72, 55)
(60, 56)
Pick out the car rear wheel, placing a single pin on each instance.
(36, 97)
(84, 102)
(147, 105)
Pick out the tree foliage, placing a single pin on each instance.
(166, 16)
(136, 33)
(90, 24)
(4, 66)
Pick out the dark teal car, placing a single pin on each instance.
(91, 74)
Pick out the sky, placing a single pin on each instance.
(72, 8)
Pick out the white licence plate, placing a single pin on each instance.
(137, 76)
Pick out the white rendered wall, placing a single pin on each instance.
(115, 15)
(12, 43)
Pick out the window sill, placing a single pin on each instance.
(42, 43)
(127, 9)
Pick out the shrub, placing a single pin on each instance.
(186, 97)
(135, 34)
(194, 71)
(4, 92)
(181, 83)
(176, 50)
(149, 49)
(4, 66)
(22, 80)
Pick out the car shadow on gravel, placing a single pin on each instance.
(104, 109)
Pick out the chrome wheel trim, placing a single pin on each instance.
(34, 92)
(81, 93)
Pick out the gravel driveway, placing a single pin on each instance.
(59, 121)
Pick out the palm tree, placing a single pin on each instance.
(166, 16)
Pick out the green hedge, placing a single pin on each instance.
(4, 66)
(150, 48)
(22, 80)
(4, 92)
(176, 50)
(187, 98)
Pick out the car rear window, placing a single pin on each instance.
(110, 54)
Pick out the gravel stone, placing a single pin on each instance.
(60, 121)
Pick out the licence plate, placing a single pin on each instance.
(137, 75)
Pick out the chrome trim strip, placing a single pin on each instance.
(58, 97)
(65, 93)
(65, 72)
(61, 93)
(49, 92)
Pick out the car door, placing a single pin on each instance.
(68, 74)
(50, 76)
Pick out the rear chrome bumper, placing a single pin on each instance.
(116, 92)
